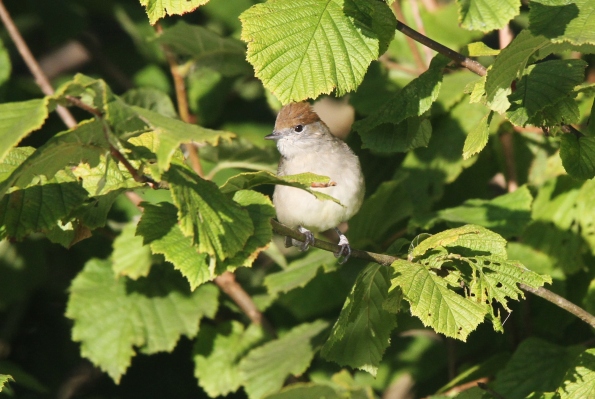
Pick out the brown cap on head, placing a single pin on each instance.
(295, 114)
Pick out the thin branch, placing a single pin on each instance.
(40, 77)
(228, 284)
(78, 103)
(562, 303)
(387, 260)
(460, 59)
(490, 390)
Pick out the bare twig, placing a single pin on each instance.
(40, 77)
(463, 387)
(562, 303)
(506, 139)
(490, 390)
(387, 260)
(460, 59)
(228, 284)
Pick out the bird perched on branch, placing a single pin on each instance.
(307, 145)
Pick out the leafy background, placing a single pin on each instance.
(101, 296)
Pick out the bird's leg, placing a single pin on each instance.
(345, 248)
(303, 246)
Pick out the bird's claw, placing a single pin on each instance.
(309, 239)
(345, 250)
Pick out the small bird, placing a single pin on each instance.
(307, 145)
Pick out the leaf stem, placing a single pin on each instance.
(40, 77)
(387, 260)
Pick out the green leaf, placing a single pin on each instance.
(112, 316)
(5, 65)
(160, 230)
(217, 354)
(413, 132)
(107, 176)
(507, 67)
(306, 390)
(544, 85)
(537, 365)
(84, 143)
(506, 215)
(13, 159)
(300, 272)
(170, 133)
(4, 379)
(472, 237)
(301, 49)
(579, 381)
(17, 120)
(225, 55)
(214, 221)
(413, 100)
(563, 21)
(91, 91)
(434, 303)
(487, 15)
(379, 213)
(578, 156)
(38, 208)
(480, 49)
(586, 219)
(362, 333)
(265, 368)
(477, 138)
(249, 180)
(152, 99)
(157, 9)
(261, 210)
(130, 257)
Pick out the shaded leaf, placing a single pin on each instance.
(301, 49)
(536, 365)
(217, 354)
(487, 15)
(300, 272)
(563, 21)
(225, 55)
(578, 156)
(151, 99)
(265, 368)
(362, 333)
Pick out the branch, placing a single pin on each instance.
(40, 77)
(460, 59)
(387, 260)
(412, 46)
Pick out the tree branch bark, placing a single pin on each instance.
(387, 260)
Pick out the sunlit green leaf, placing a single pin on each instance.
(130, 257)
(113, 316)
(157, 9)
(579, 381)
(477, 138)
(298, 273)
(301, 49)
(17, 120)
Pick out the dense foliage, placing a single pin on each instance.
(120, 233)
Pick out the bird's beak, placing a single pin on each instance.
(273, 136)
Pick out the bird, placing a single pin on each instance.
(306, 144)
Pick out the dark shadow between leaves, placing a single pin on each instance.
(551, 21)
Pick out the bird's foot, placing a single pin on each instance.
(303, 246)
(345, 250)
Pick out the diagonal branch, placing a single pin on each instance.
(387, 260)
(40, 77)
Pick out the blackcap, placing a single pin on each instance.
(307, 145)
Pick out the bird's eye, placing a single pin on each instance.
(298, 128)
